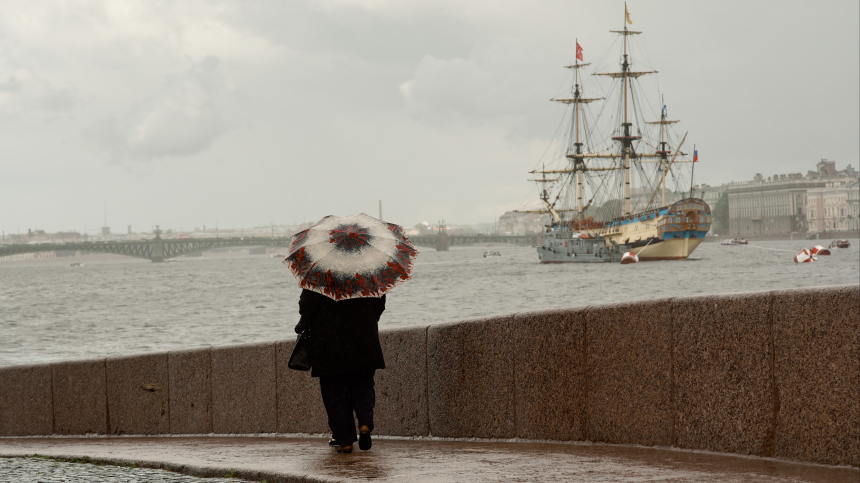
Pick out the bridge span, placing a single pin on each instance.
(156, 250)
(442, 241)
(159, 249)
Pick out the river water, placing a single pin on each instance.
(51, 311)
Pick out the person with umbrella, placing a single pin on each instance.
(345, 265)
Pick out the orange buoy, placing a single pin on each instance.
(819, 250)
(804, 256)
(629, 257)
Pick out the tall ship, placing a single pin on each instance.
(607, 191)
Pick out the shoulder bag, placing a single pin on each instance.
(300, 359)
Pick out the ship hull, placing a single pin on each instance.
(675, 249)
(565, 246)
(669, 233)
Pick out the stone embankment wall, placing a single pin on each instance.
(770, 373)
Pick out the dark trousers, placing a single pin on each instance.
(344, 394)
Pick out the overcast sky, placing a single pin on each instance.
(242, 113)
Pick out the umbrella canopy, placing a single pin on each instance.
(354, 256)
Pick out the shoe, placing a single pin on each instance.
(344, 449)
(364, 441)
(333, 442)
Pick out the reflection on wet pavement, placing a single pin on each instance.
(396, 460)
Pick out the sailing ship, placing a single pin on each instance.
(590, 220)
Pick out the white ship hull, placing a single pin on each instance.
(678, 249)
(669, 233)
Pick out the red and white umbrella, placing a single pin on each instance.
(354, 256)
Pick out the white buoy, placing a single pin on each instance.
(629, 257)
(818, 250)
(804, 256)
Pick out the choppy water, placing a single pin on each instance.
(50, 311)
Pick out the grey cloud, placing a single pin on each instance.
(56, 100)
(28, 95)
(10, 85)
(400, 36)
(504, 84)
(184, 117)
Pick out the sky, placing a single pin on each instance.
(245, 113)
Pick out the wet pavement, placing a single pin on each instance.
(44, 470)
(288, 459)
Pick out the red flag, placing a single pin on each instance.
(578, 52)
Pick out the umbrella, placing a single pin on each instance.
(354, 256)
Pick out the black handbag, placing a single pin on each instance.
(300, 359)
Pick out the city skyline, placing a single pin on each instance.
(713, 192)
(246, 114)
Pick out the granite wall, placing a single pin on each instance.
(769, 373)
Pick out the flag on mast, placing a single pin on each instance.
(695, 155)
(627, 14)
(578, 51)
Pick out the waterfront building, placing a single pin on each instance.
(780, 205)
(829, 209)
(513, 223)
(711, 194)
(853, 190)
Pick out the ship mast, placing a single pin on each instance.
(626, 142)
(626, 139)
(574, 152)
(663, 149)
(577, 145)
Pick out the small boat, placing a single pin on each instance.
(76, 264)
(736, 241)
(492, 254)
(840, 244)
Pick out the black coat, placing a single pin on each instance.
(345, 333)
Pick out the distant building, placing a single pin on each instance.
(828, 208)
(513, 223)
(37, 236)
(711, 194)
(66, 236)
(853, 190)
(779, 204)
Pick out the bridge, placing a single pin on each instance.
(156, 250)
(159, 249)
(441, 241)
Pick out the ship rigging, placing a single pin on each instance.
(590, 195)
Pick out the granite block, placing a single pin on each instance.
(628, 377)
(817, 374)
(549, 362)
(722, 373)
(80, 397)
(401, 388)
(300, 406)
(244, 395)
(470, 379)
(190, 391)
(25, 401)
(138, 394)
